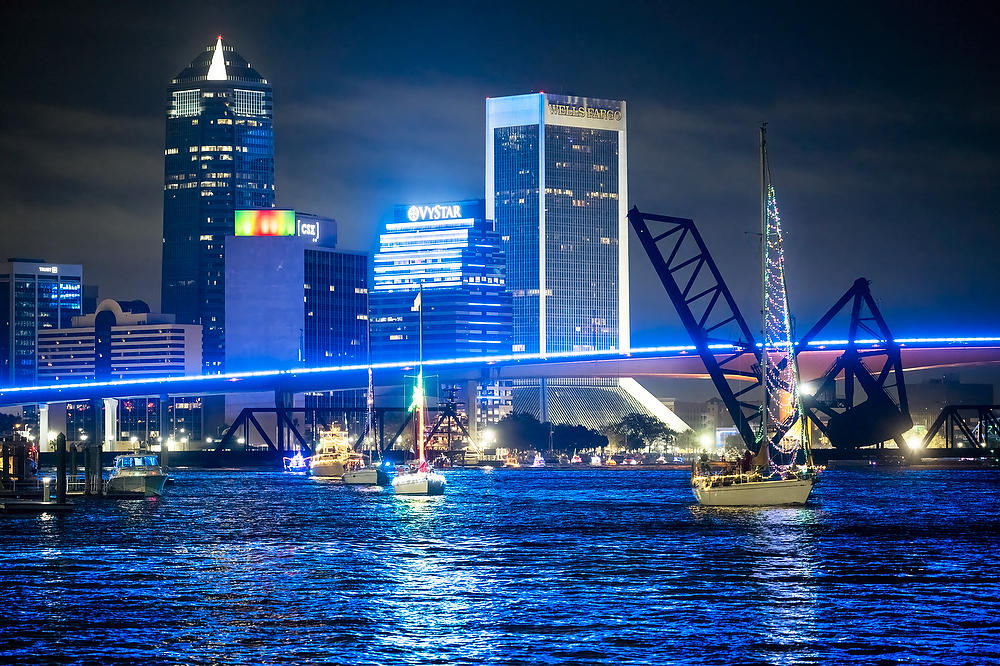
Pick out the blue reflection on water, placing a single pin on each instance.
(512, 566)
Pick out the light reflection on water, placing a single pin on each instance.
(512, 566)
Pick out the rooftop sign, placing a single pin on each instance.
(266, 222)
(440, 211)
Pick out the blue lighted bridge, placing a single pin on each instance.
(677, 361)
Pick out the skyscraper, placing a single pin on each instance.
(219, 156)
(557, 186)
(453, 253)
(34, 296)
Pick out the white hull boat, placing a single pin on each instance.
(418, 483)
(334, 455)
(327, 467)
(365, 476)
(747, 491)
(136, 475)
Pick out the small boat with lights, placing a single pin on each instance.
(137, 474)
(297, 464)
(363, 472)
(791, 486)
(334, 454)
(769, 473)
(419, 480)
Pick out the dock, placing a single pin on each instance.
(34, 506)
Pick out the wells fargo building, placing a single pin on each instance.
(557, 186)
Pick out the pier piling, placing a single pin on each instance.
(61, 468)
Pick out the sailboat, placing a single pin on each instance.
(763, 479)
(420, 478)
(363, 470)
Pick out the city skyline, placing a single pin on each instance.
(886, 160)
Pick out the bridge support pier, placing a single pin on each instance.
(282, 400)
(472, 409)
(43, 428)
(93, 481)
(164, 428)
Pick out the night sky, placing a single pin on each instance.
(883, 131)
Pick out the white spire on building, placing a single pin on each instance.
(217, 71)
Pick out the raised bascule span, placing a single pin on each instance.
(856, 393)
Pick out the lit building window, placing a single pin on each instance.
(186, 103)
(248, 102)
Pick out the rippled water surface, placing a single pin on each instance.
(509, 566)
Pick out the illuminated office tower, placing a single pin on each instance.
(557, 186)
(453, 252)
(34, 296)
(219, 156)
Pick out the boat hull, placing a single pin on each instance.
(147, 485)
(328, 470)
(420, 483)
(756, 493)
(366, 476)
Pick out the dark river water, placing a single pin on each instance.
(509, 567)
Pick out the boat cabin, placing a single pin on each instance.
(137, 460)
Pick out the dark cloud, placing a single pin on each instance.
(884, 132)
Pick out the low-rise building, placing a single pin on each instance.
(120, 340)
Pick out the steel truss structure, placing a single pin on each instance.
(874, 371)
(705, 305)
(978, 426)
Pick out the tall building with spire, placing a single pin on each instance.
(219, 157)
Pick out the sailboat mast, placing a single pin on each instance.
(420, 375)
(370, 398)
(763, 281)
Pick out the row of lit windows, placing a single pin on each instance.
(223, 156)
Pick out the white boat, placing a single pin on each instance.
(419, 482)
(365, 475)
(333, 456)
(752, 489)
(137, 474)
(758, 481)
(539, 461)
(421, 479)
